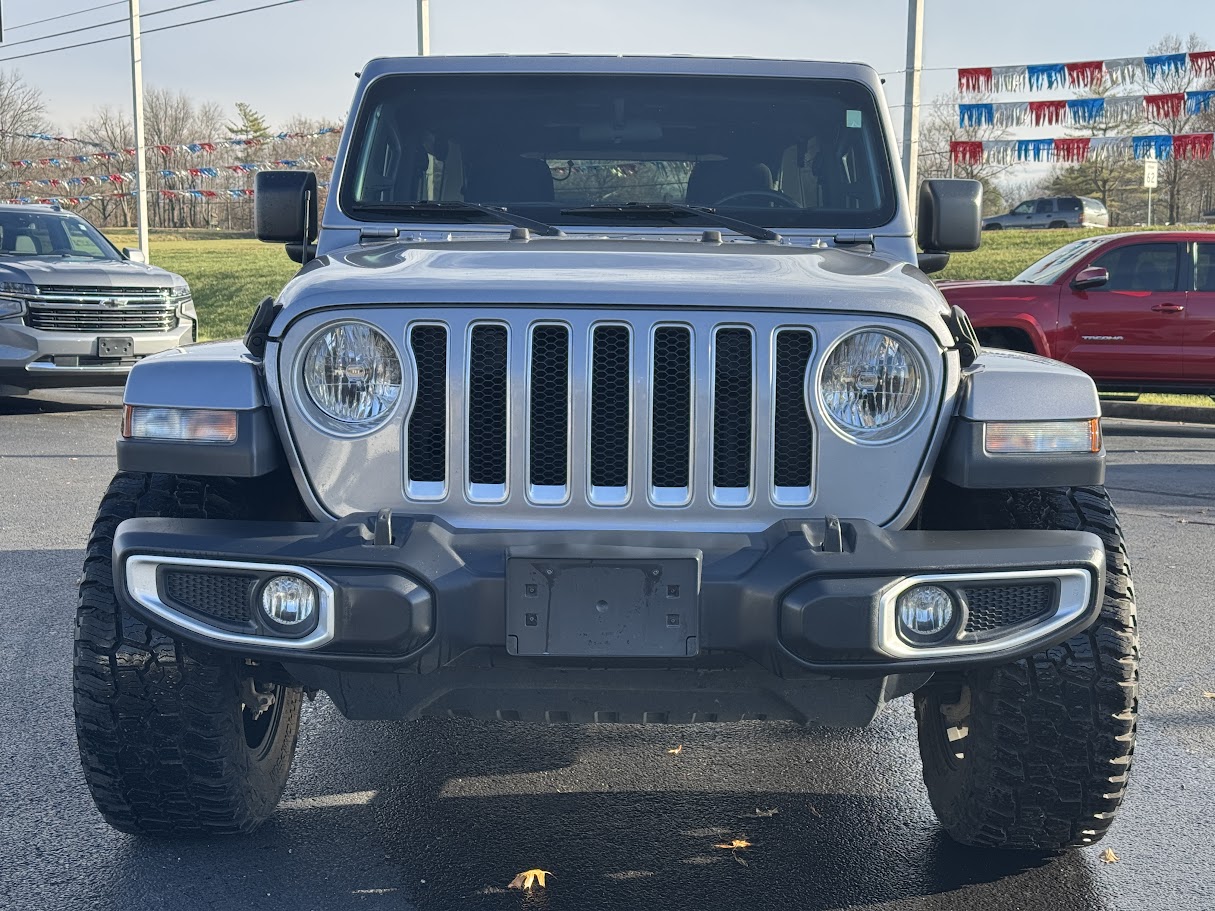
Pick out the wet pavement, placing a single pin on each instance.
(441, 815)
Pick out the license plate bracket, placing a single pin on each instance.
(580, 608)
(115, 346)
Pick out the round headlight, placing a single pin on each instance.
(871, 383)
(353, 375)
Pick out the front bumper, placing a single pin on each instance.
(428, 614)
(38, 358)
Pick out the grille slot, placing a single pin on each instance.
(671, 417)
(792, 436)
(79, 319)
(733, 388)
(487, 417)
(426, 453)
(611, 381)
(548, 414)
(224, 596)
(992, 607)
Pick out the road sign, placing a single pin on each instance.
(1151, 171)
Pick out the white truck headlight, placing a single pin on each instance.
(352, 374)
(871, 385)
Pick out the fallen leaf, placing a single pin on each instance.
(676, 751)
(1109, 857)
(736, 844)
(761, 814)
(814, 811)
(1209, 695)
(527, 878)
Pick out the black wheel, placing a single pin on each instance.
(173, 739)
(995, 226)
(1034, 755)
(1058, 224)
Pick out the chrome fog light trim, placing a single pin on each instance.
(1075, 593)
(141, 580)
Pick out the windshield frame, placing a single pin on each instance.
(882, 165)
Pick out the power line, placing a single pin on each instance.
(123, 21)
(79, 12)
(163, 28)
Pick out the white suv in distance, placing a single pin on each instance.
(76, 311)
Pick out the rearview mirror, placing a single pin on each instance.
(950, 216)
(1092, 277)
(134, 255)
(285, 207)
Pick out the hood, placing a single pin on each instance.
(626, 273)
(64, 273)
(955, 291)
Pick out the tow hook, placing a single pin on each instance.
(257, 698)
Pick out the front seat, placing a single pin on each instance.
(509, 180)
(711, 181)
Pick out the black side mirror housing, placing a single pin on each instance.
(950, 216)
(285, 207)
(1092, 277)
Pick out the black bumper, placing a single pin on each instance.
(798, 600)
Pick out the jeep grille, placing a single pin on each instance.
(615, 401)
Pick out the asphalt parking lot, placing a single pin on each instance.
(441, 815)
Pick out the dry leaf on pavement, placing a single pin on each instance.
(1209, 695)
(1109, 857)
(676, 751)
(527, 878)
(736, 844)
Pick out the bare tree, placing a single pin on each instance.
(111, 130)
(22, 110)
(938, 133)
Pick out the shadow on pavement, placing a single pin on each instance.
(13, 405)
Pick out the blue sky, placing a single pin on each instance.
(302, 58)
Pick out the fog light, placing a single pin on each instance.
(926, 613)
(192, 425)
(289, 602)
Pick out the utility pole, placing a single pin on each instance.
(423, 28)
(911, 101)
(141, 168)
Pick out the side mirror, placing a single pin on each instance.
(285, 207)
(1092, 277)
(950, 216)
(134, 255)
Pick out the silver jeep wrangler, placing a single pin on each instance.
(612, 390)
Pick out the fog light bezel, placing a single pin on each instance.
(141, 572)
(278, 627)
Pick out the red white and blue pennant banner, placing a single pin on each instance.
(1083, 74)
(189, 148)
(236, 193)
(182, 174)
(1074, 150)
(1086, 111)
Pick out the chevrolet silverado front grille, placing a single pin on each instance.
(89, 309)
(609, 411)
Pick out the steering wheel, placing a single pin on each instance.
(774, 198)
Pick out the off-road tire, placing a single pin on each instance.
(166, 743)
(1046, 742)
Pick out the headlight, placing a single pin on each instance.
(180, 293)
(871, 385)
(11, 297)
(352, 375)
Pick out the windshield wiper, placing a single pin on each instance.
(452, 206)
(671, 209)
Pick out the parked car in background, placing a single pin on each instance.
(76, 311)
(1052, 212)
(1135, 311)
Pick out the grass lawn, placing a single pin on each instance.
(229, 276)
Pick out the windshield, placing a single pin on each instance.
(30, 235)
(1051, 266)
(776, 152)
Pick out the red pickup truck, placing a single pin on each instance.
(1135, 311)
